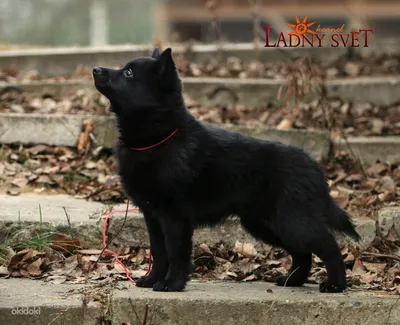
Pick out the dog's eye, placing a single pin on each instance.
(128, 73)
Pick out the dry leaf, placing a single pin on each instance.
(64, 244)
(88, 126)
(89, 251)
(378, 268)
(4, 271)
(251, 277)
(368, 277)
(13, 192)
(245, 249)
(34, 268)
(20, 182)
(205, 249)
(285, 124)
(232, 274)
(358, 268)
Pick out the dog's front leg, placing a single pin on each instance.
(158, 251)
(178, 234)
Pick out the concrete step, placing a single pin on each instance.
(55, 129)
(63, 61)
(201, 304)
(22, 212)
(247, 92)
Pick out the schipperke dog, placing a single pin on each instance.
(184, 174)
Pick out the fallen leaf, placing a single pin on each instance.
(358, 268)
(354, 178)
(273, 263)
(63, 244)
(4, 271)
(251, 277)
(20, 182)
(368, 277)
(343, 201)
(205, 249)
(13, 192)
(34, 268)
(349, 258)
(388, 184)
(377, 170)
(89, 251)
(285, 124)
(375, 267)
(232, 274)
(245, 249)
(83, 141)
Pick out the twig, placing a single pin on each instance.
(304, 75)
(134, 310)
(69, 221)
(291, 273)
(287, 279)
(379, 255)
(146, 314)
(255, 10)
(356, 157)
(211, 6)
(391, 308)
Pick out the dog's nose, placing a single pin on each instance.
(96, 70)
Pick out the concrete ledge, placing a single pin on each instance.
(53, 129)
(201, 304)
(372, 149)
(64, 130)
(87, 220)
(247, 92)
(260, 92)
(63, 61)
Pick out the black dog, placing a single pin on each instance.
(183, 174)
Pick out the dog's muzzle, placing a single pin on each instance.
(101, 76)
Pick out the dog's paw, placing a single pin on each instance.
(145, 282)
(175, 285)
(160, 286)
(287, 281)
(330, 288)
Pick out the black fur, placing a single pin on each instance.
(203, 174)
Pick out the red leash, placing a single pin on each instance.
(109, 252)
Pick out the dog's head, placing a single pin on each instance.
(142, 84)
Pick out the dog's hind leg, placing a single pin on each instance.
(298, 273)
(301, 264)
(306, 235)
(332, 257)
(158, 252)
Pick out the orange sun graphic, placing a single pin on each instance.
(301, 27)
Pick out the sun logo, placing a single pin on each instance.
(301, 27)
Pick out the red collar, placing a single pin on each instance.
(156, 144)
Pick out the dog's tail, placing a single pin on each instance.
(340, 221)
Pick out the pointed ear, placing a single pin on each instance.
(156, 53)
(167, 71)
(167, 64)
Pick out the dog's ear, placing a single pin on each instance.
(167, 71)
(167, 64)
(156, 53)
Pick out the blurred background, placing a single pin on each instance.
(101, 22)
